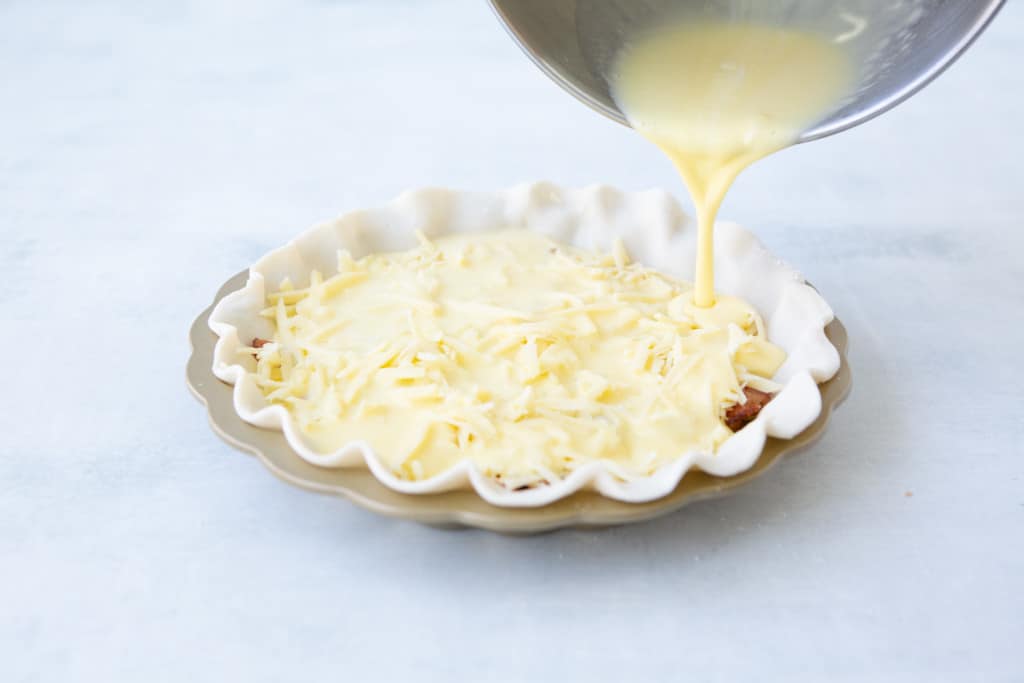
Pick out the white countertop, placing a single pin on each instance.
(149, 151)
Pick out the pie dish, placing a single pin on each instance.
(656, 233)
(461, 509)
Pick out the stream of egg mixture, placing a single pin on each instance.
(526, 356)
(716, 97)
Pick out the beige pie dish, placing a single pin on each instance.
(465, 506)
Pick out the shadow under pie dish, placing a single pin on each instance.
(650, 227)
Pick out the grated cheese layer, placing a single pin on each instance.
(526, 356)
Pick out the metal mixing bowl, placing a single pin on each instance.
(899, 45)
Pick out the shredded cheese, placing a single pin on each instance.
(524, 355)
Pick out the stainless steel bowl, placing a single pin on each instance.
(900, 45)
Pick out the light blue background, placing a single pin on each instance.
(150, 150)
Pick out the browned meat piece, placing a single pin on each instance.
(740, 415)
(258, 343)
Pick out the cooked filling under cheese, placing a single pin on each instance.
(524, 355)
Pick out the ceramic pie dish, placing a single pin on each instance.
(658, 234)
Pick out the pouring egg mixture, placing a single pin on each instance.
(526, 356)
(531, 358)
(716, 97)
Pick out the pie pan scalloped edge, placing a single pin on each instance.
(466, 507)
(656, 232)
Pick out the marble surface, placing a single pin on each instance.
(151, 149)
